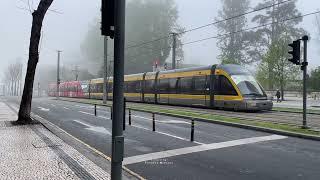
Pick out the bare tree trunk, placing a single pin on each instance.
(282, 89)
(37, 19)
(11, 88)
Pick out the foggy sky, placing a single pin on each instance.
(66, 30)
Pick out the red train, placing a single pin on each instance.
(67, 89)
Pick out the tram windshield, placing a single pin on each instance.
(248, 85)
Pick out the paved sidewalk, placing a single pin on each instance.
(33, 152)
(294, 102)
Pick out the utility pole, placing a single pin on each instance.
(76, 71)
(105, 71)
(174, 46)
(304, 69)
(39, 93)
(58, 74)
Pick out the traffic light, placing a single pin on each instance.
(107, 18)
(295, 52)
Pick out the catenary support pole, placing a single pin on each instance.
(58, 75)
(117, 132)
(174, 46)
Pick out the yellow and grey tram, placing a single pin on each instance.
(218, 86)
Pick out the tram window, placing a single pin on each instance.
(110, 87)
(125, 87)
(138, 86)
(199, 84)
(163, 85)
(93, 88)
(100, 88)
(186, 85)
(172, 85)
(148, 87)
(226, 87)
(133, 87)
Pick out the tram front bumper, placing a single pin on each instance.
(259, 105)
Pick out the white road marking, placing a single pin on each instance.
(141, 117)
(53, 105)
(200, 148)
(103, 117)
(66, 108)
(43, 109)
(170, 121)
(167, 134)
(84, 106)
(98, 129)
(86, 113)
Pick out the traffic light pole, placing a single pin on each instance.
(304, 68)
(118, 100)
(105, 67)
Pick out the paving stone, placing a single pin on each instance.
(33, 152)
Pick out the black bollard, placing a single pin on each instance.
(95, 110)
(192, 130)
(130, 117)
(153, 122)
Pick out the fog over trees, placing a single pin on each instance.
(145, 21)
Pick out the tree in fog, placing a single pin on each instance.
(13, 77)
(283, 70)
(314, 80)
(37, 20)
(266, 42)
(317, 24)
(145, 21)
(232, 47)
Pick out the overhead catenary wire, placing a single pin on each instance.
(218, 36)
(234, 32)
(251, 28)
(207, 25)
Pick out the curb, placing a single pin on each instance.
(312, 113)
(48, 125)
(250, 127)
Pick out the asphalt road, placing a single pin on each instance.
(218, 152)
